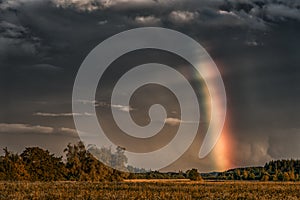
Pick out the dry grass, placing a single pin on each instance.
(149, 190)
(156, 180)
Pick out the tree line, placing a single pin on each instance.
(36, 164)
(279, 170)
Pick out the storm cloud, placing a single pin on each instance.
(255, 44)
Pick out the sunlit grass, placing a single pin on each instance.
(150, 190)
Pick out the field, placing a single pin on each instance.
(150, 190)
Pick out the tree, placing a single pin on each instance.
(75, 154)
(82, 165)
(292, 175)
(12, 167)
(237, 174)
(119, 159)
(41, 165)
(251, 176)
(245, 175)
(297, 177)
(274, 177)
(265, 177)
(193, 175)
(104, 155)
(280, 176)
(286, 176)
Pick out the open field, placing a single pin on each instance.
(149, 190)
(158, 180)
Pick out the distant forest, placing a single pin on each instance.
(36, 164)
(279, 170)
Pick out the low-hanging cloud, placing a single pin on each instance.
(24, 128)
(7, 128)
(175, 121)
(102, 104)
(147, 20)
(92, 5)
(122, 108)
(182, 16)
(42, 114)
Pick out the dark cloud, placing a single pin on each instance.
(16, 40)
(281, 12)
(248, 12)
(283, 143)
(44, 66)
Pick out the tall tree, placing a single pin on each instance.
(43, 166)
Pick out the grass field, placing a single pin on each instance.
(150, 190)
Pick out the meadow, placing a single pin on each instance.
(150, 190)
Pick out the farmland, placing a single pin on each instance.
(37, 174)
(150, 190)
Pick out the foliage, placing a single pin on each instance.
(12, 167)
(193, 175)
(279, 170)
(36, 164)
(117, 160)
(41, 165)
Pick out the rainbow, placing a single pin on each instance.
(221, 155)
(222, 152)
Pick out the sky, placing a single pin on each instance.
(254, 43)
